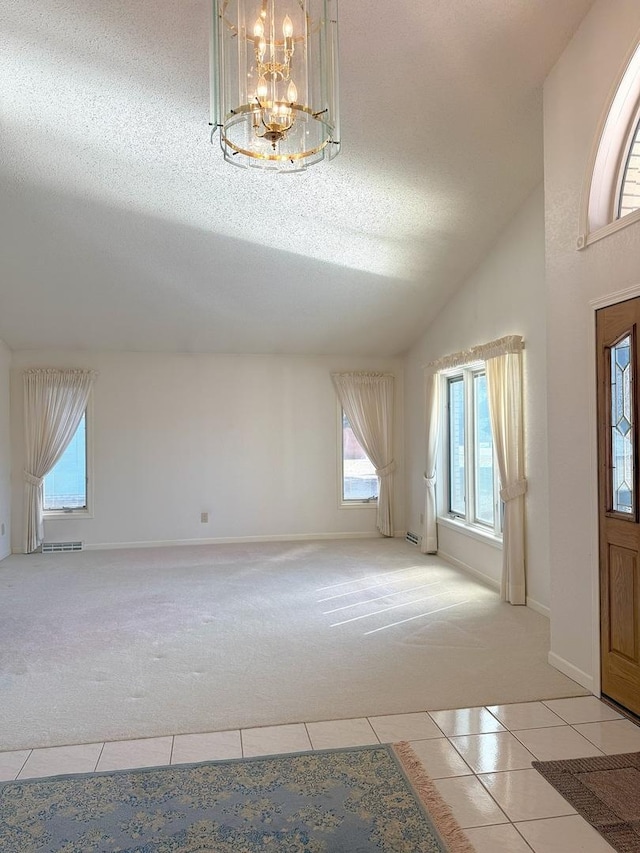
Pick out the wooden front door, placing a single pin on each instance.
(618, 370)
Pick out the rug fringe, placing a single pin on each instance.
(439, 811)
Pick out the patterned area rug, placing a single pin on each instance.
(605, 790)
(361, 800)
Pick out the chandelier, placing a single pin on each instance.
(274, 82)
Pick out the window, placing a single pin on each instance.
(621, 466)
(629, 195)
(358, 475)
(457, 447)
(471, 481)
(612, 200)
(65, 486)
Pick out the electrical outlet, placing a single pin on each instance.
(421, 518)
(2, 529)
(204, 517)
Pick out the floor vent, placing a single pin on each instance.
(412, 537)
(54, 547)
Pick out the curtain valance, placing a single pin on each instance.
(501, 346)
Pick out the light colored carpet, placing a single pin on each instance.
(108, 645)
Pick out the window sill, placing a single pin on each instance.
(605, 230)
(54, 514)
(474, 531)
(358, 505)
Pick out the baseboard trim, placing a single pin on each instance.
(469, 569)
(229, 540)
(571, 671)
(542, 609)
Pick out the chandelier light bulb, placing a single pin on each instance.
(258, 29)
(287, 27)
(262, 89)
(292, 93)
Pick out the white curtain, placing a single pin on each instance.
(54, 402)
(504, 390)
(367, 399)
(429, 543)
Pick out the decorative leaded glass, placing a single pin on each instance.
(622, 464)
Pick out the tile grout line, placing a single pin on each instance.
(428, 712)
(450, 740)
(95, 769)
(306, 728)
(375, 733)
(30, 752)
(522, 836)
(477, 775)
(510, 822)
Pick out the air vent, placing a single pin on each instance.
(54, 547)
(412, 537)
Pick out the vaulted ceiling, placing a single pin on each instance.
(124, 229)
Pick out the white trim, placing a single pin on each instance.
(494, 584)
(466, 524)
(597, 214)
(612, 299)
(373, 503)
(542, 609)
(625, 155)
(229, 540)
(401, 534)
(594, 533)
(588, 239)
(472, 530)
(571, 671)
(66, 514)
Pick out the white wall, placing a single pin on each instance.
(5, 453)
(252, 440)
(576, 95)
(504, 296)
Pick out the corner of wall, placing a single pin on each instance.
(504, 295)
(5, 451)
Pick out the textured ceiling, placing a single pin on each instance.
(123, 228)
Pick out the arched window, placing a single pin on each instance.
(629, 193)
(612, 200)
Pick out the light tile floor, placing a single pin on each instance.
(479, 758)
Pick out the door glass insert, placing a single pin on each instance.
(622, 432)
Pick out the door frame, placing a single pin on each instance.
(595, 305)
